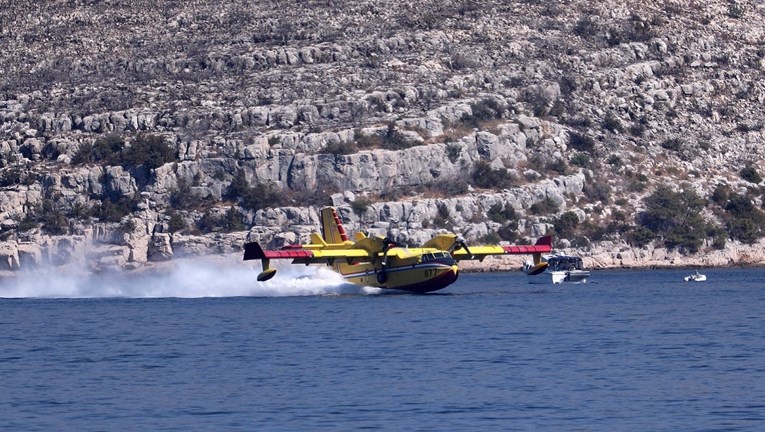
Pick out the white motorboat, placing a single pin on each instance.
(695, 277)
(560, 269)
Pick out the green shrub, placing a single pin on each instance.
(598, 191)
(566, 224)
(557, 165)
(449, 187)
(673, 144)
(720, 194)
(233, 221)
(113, 210)
(735, 10)
(638, 129)
(482, 111)
(640, 236)
(149, 151)
(252, 197)
(750, 174)
(181, 197)
(567, 84)
(585, 27)
(491, 238)
(14, 176)
(53, 220)
(581, 160)
(615, 161)
(676, 217)
(360, 206)
(176, 223)
(128, 226)
(744, 221)
(486, 177)
(719, 236)
(580, 142)
(367, 141)
(509, 231)
(208, 223)
(339, 148)
(612, 123)
(637, 186)
(501, 213)
(105, 150)
(453, 152)
(544, 207)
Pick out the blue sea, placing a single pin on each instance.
(216, 351)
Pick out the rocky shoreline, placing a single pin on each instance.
(603, 257)
(136, 133)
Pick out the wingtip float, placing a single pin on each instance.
(380, 262)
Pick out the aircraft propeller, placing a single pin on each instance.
(388, 243)
(459, 243)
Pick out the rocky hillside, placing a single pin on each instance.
(134, 131)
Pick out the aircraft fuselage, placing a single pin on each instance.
(431, 272)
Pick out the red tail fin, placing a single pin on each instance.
(331, 228)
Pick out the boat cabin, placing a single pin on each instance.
(564, 263)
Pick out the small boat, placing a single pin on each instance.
(696, 277)
(560, 268)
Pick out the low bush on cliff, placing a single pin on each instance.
(675, 218)
(48, 216)
(566, 225)
(750, 174)
(486, 177)
(483, 111)
(545, 207)
(148, 151)
(392, 139)
(580, 142)
(360, 205)
(104, 150)
(339, 148)
(509, 231)
(17, 176)
(744, 221)
(114, 209)
(501, 213)
(254, 198)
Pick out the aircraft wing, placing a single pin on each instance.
(543, 245)
(304, 256)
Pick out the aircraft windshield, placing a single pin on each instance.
(441, 256)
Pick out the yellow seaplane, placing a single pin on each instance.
(380, 262)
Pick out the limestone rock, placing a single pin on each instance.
(160, 247)
(9, 256)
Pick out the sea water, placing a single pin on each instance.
(213, 350)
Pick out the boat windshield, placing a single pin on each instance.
(560, 263)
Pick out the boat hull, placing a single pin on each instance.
(559, 277)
